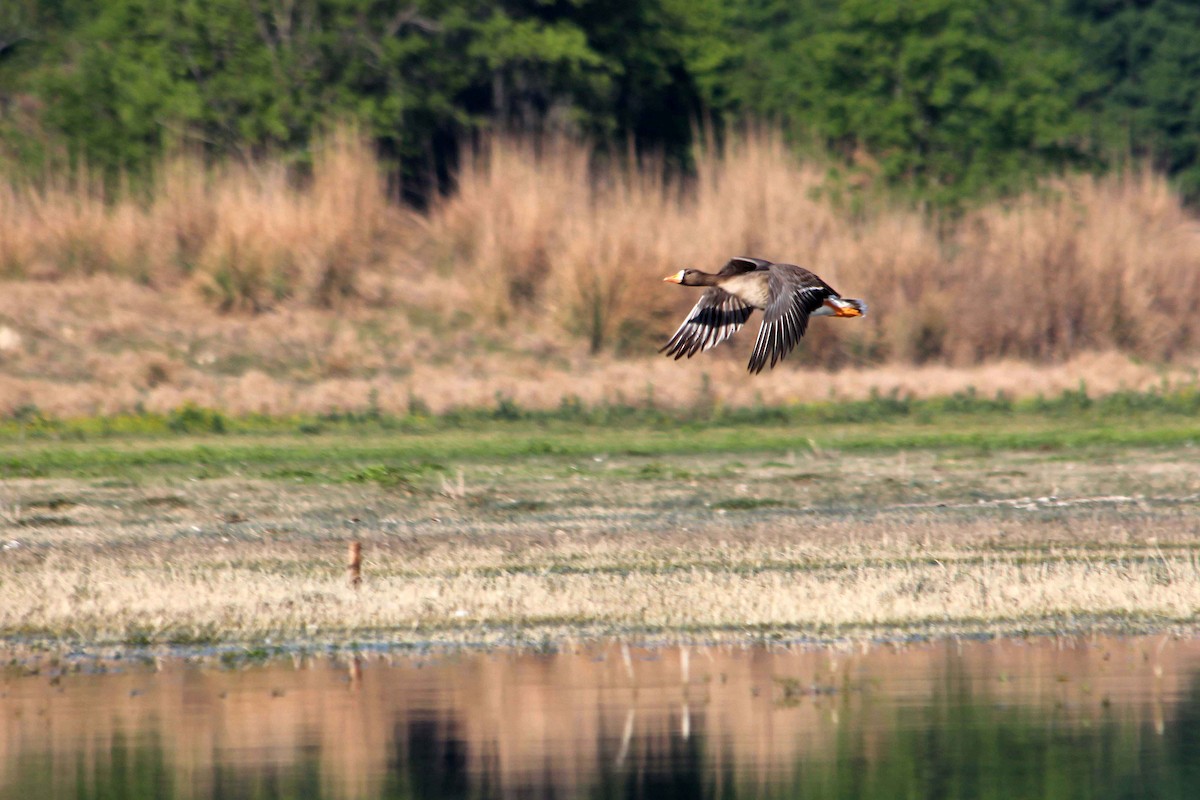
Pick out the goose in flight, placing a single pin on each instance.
(787, 294)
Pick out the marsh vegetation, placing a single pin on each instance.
(919, 520)
(246, 289)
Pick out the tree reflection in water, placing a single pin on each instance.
(1115, 718)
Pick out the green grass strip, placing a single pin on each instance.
(372, 447)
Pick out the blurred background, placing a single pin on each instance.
(305, 205)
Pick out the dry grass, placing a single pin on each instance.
(1082, 264)
(537, 231)
(247, 236)
(243, 287)
(101, 345)
(680, 547)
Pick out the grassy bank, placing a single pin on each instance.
(193, 440)
(890, 516)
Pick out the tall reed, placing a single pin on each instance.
(538, 237)
(1083, 263)
(248, 236)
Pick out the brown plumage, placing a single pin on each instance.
(787, 295)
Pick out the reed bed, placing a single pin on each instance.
(1081, 264)
(541, 273)
(247, 237)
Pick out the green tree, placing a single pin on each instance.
(952, 97)
(251, 76)
(1146, 98)
(31, 31)
(247, 76)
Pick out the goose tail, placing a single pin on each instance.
(847, 307)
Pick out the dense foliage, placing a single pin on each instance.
(951, 98)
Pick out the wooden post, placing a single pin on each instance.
(354, 566)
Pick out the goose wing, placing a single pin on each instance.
(740, 264)
(793, 294)
(715, 317)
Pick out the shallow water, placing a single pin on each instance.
(1068, 717)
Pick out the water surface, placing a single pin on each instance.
(1061, 718)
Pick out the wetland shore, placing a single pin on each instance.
(920, 520)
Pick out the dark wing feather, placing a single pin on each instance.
(740, 264)
(715, 317)
(794, 294)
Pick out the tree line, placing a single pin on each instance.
(948, 100)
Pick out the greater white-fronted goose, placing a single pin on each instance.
(787, 294)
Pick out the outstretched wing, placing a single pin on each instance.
(715, 317)
(795, 293)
